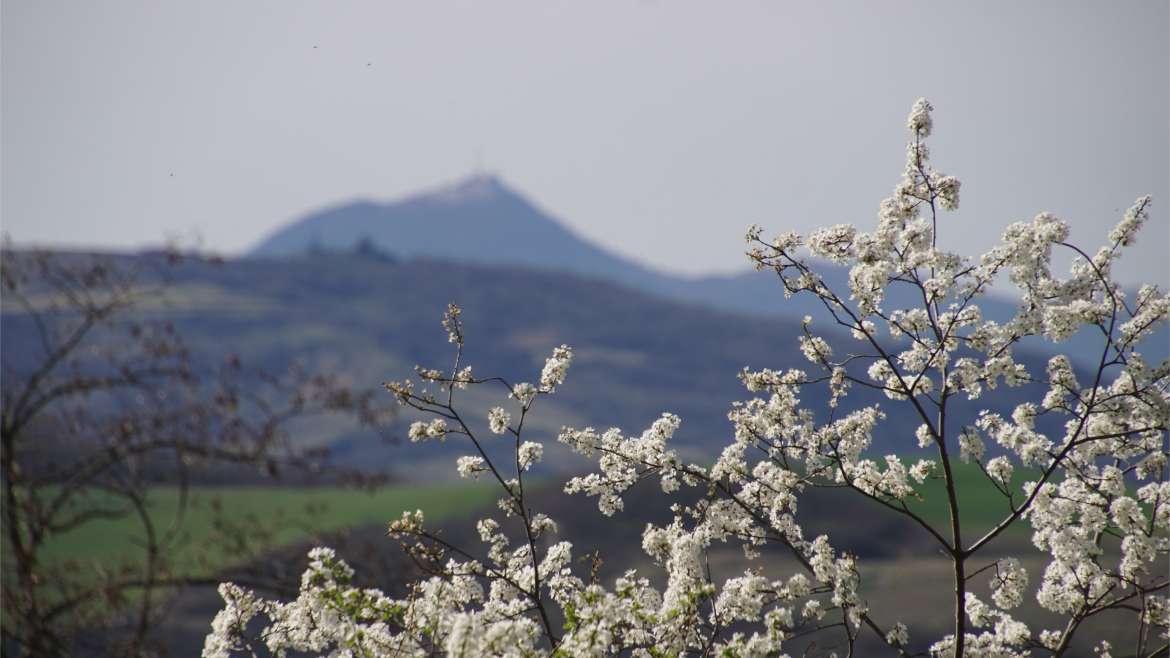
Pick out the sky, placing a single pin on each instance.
(659, 130)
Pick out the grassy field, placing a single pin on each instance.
(223, 526)
(981, 506)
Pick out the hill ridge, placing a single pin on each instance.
(480, 219)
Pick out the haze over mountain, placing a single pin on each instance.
(478, 220)
(481, 220)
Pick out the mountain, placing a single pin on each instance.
(481, 220)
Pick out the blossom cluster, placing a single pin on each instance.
(1082, 463)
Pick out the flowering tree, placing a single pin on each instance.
(1093, 445)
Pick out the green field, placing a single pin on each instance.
(981, 506)
(228, 526)
(224, 526)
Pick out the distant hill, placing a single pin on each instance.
(372, 319)
(481, 220)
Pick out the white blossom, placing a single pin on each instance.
(470, 466)
(524, 392)
(498, 420)
(529, 453)
(553, 374)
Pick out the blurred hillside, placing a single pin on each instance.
(370, 319)
(482, 220)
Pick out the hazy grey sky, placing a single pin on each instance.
(658, 129)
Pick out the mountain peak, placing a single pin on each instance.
(478, 187)
(478, 219)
